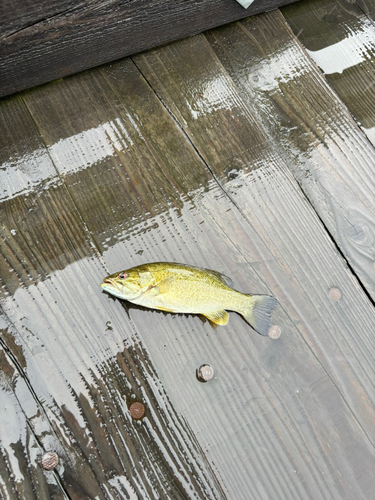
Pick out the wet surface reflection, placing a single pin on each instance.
(109, 171)
(308, 126)
(340, 39)
(51, 269)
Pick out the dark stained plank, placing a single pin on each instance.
(279, 413)
(312, 130)
(340, 38)
(42, 41)
(81, 354)
(367, 7)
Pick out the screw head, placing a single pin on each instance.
(137, 410)
(274, 332)
(334, 294)
(205, 373)
(49, 460)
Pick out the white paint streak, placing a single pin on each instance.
(22, 175)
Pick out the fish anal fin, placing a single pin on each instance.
(217, 317)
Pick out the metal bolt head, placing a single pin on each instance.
(334, 294)
(49, 460)
(274, 332)
(137, 410)
(205, 373)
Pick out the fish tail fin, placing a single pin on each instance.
(258, 314)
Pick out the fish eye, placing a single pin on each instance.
(122, 276)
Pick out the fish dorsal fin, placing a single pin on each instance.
(218, 317)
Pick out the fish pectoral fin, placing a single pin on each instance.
(218, 317)
(164, 285)
(153, 291)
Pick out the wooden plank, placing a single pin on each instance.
(340, 38)
(311, 128)
(82, 356)
(142, 180)
(20, 449)
(367, 7)
(294, 256)
(46, 42)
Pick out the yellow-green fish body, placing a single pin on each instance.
(180, 288)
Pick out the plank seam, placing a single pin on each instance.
(363, 135)
(40, 21)
(366, 14)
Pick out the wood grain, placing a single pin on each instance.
(164, 158)
(20, 452)
(367, 7)
(340, 38)
(85, 366)
(43, 41)
(290, 240)
(311, 128)
(191, 176)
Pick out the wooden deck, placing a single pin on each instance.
(230, 150)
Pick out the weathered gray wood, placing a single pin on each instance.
(42, 41)
(283, 236)
(81, 353)
(145, 194)
(311, 128)
(340, 38)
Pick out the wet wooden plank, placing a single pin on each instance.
(81, 355)
(340, 38)
(20, 450)
(200, 182)
(367, 7)
(311, 128)
(295, 257)
(43, 41)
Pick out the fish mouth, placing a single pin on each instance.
(106, 282)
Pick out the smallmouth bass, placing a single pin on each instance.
(179, 288)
